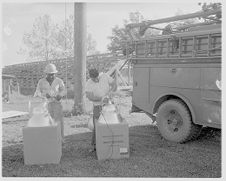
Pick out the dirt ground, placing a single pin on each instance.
(150, 154)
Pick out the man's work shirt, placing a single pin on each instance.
(56, 88)
(100, 88)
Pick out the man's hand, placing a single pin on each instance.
(106, 100)
(48, 96)
(58, 97)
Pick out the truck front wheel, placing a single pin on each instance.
(174, 122)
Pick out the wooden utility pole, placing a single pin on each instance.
(79, 70)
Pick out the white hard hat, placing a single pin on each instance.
(50, 69)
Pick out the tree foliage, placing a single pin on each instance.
(48, 40)
(211, 6)
(40, 41)
(120, 34)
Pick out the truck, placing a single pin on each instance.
(177, 76)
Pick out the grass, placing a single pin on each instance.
(150, 155)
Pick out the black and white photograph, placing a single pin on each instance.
(120, 90)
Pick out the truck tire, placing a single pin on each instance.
(174, 122)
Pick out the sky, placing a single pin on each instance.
(18, 18)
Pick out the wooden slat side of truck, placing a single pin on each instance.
(177, 81)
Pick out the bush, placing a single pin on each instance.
(27, 91)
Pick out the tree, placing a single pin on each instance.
(120, 34)
(65, 40)
(48, 41)
(40, 41)
(91, 45)
(64, 37)
(211, 6)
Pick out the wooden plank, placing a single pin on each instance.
(118, 66)
(122, 79)
(11, 114)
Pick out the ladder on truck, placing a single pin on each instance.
(199, 40)
(181, 45)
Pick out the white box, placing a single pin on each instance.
(112, 140)
(42, 145)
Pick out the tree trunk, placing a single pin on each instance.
(46, 47)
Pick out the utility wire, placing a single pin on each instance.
(65, 45)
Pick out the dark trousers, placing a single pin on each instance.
(56, 112)
(96, 114)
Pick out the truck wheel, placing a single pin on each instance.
(174, 122)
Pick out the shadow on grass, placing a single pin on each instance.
(150, 156)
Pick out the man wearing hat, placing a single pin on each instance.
(53, 89)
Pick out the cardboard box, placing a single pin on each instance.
(42, 145)
(112, 140)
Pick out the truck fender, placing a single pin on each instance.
(173, 95)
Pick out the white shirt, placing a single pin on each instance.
(101, 88)
(56, 88)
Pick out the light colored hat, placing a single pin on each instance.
(50, 69)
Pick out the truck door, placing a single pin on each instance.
(211, 94)
(141, 87)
